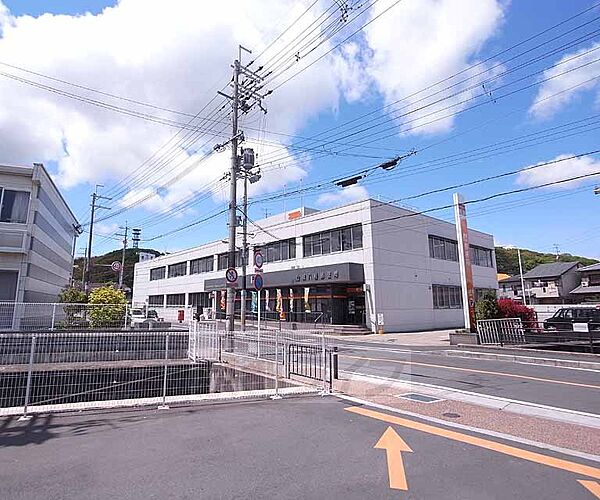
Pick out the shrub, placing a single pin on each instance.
(510, 308)
(73, 313)
(108, 309)
(487, 307)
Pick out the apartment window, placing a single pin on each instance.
(203, 265)
(336, 240)
(223, 260)
(156, 300)
(176, 300)
(594, 280)
(279, 250)
(481, 257)
(14, 205)
(158, 273)
(179, 269)
(443, 248)
(446, 297)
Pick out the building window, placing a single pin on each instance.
(158, 273)
(223, 260)
(446, 297)
(203, 265)
(179, 269)
(594, 280)
(336, 240)
(443, 248)
(156, 300)
(14, 206)
(176, 300)
(481, 257)
(199, 299)
(279, 250)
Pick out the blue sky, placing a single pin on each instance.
(153, 54)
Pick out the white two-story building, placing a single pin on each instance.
(355, 264)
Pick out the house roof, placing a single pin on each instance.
(511, 279)
(550, 270)
(592, 267)
(580, 290)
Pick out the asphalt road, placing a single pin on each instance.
(293, 448)
(572, 389)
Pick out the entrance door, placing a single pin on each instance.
(8, 285)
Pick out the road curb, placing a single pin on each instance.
(504, 404)
(532, 360)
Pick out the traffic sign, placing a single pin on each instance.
(258, 282)
(259, 260)
(231, 275)
(116, 266)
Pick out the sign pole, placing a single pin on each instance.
(258, 326)
(464, 259)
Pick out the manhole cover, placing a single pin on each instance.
(421, 398)
(451, 415)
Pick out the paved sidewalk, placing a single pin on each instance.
(436, 338)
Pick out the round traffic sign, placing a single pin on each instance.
(258, 282)
(116, 266)
(231, 275)
(259, 260)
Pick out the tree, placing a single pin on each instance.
(108, 307)
(487, 307)
(72, 295)
(74, 314)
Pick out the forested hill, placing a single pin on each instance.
(101, 271)
(507, 259)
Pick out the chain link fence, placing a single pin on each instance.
(28, 316)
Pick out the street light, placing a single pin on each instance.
(512, 247)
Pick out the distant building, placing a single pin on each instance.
(589, 290)
(359, 264)
(510, 288)
(37, 235)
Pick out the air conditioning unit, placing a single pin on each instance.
(584, 283)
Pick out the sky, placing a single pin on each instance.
(124, 95)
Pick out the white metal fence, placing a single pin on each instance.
(72, 370)
(501, 331)
(28, 316)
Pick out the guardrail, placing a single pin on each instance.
(583, 337)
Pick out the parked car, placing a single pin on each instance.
(139, 316)
(565, 317)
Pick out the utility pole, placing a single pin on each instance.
(244, 97)
(522, 278)
(88, 268)
(248, 175)
(121, 272)
(556, 251)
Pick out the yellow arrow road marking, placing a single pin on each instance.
(592, 486)
(394, 445)
(473, 370)
(558, 463)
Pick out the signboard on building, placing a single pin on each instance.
(464, 259)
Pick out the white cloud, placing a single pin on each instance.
(543, 108)
(559, 171)
(419, 43)
(175, 54)
(345, 195)
(106, 228)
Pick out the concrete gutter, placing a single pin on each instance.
(494, 402)
(530, 360)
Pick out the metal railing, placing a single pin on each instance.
(45, 371)
(582, 337)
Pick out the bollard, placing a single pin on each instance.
(29, 376)
(164, 405)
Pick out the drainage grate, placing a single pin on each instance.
(421, 398)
